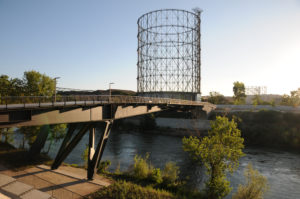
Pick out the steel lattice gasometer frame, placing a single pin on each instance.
(169, 50)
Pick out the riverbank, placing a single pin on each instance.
(263, 128)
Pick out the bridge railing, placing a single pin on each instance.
(26, 101)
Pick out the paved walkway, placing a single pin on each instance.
(40, 182)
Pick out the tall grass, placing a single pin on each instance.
(255, 187)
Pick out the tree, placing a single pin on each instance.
(7, 134)
(219, 152)
(239, 93)
(57, 132)
(17, 87)
(217, 98)
(37, 84)
(255, 187)
(257, 100)
(30, 133)
(291, 100)
(5, 85)
(33, 84)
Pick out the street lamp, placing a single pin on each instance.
(110, 90)
(55, 78)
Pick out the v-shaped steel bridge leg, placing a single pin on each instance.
(67, 146)
(95, 155)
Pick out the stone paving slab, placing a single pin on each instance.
(4, 196)
(65, 182)
(35, 194)
(4, 180)
(17, 188)
(78, 173)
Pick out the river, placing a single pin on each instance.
(281, 168)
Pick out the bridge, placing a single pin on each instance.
(83, 112)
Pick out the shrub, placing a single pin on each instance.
(156, 176)
(141, 168)
(170, 173)
(104, 166)
(117, 171)
(126, 190)
(255, 187)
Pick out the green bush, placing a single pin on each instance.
(141, 168)
(255, 187)
(126, 190)
(104, 166)
(156, 176)
(170, 173)
(117, 170)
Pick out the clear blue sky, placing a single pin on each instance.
(91, 43)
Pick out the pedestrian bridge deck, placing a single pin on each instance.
(31, 110)
(25, 102)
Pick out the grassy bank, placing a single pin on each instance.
(269, 128)
(143, 180)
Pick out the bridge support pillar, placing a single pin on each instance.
(96, 155)
(39, 142)
(67, 145)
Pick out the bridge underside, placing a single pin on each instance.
(33, 117)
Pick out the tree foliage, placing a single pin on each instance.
(57, 132)
(217, 98)
(219, 152)
(255, 187)
(5, 85)
(239, 93)
(291, 100)
(37, 84)
(30, 133)
(256, 100)
(33, 83)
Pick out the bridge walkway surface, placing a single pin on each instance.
(40, 182)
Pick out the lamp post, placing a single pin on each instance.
(110, 90)
(55, 78)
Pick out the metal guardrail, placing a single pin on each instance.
(8, 102)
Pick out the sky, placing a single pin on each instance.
(90, 43)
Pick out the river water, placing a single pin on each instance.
(281, 168)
